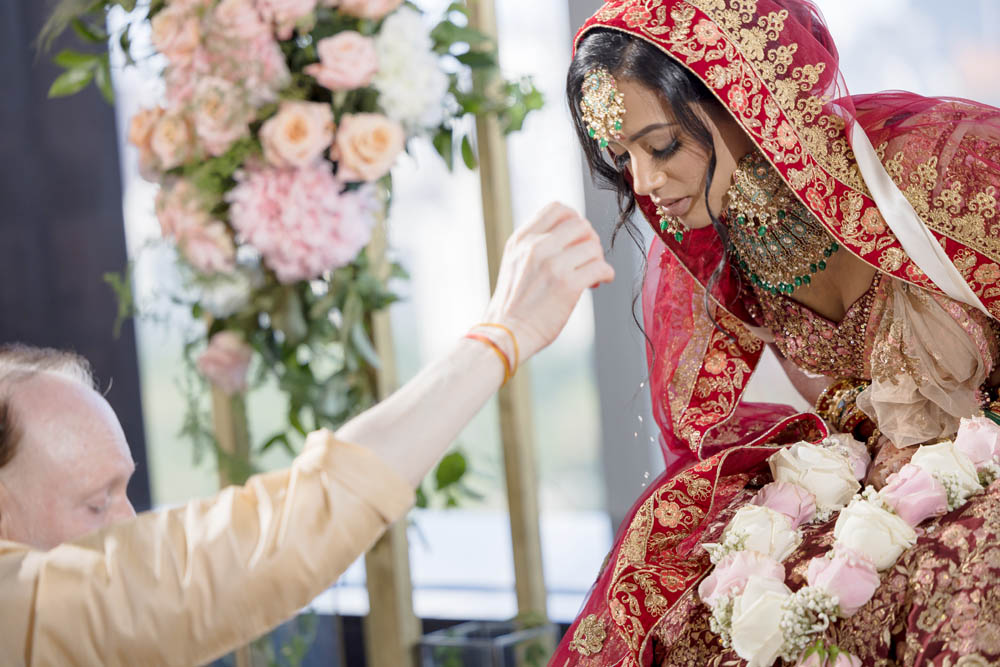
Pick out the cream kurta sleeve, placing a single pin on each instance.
(184, 586)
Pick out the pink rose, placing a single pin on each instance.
(298, 134)
(284, 15)
(237, 19)
(178, 208)
(172, 141)
(209, 247)
(789, 499)
(176, 33)
(367, 146)
(730, 576)
(849, 575)
(140, 134)
(366, 9)
(979, 439)
(225, 361)
(834, 659)
(914, 494)
(221, 114)
(347, 61)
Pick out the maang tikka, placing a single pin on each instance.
(603, 107)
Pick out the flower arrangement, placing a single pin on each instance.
(273, 147)
(755, 612)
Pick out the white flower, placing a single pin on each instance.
(825, 473)
(945, 460)
(875, 532)
(756, 634)
(765, 531)
(410, 83)
(225, 294)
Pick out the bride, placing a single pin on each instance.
(858, 237)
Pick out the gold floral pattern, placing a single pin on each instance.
(589, 636)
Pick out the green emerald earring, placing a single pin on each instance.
(670, 225)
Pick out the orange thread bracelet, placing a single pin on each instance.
(513, 339)
(495, 348)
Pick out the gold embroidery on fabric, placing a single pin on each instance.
(589, 636)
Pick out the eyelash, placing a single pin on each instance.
(672, 148)
(622, 160)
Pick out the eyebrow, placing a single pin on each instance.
(646, 130)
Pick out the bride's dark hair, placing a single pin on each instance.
(627, 57)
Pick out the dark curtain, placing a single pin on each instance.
(61, 226)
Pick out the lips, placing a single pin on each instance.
(675, 207)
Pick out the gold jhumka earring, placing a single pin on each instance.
(603, 107)
(777, 242)
(670, 224)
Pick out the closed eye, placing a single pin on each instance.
(668, 151)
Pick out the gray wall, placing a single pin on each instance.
(61, 224)
(630, 459)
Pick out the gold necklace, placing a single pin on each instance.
(776, 241)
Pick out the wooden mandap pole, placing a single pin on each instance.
(392, 630)
(515, 398)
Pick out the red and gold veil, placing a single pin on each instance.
(907, 183)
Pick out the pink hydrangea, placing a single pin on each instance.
(300, 220)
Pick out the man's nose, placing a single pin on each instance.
(123, 511)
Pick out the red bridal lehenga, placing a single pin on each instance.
(922, 348)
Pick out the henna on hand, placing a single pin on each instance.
(888, 459)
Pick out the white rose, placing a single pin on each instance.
(946, 459)
(824, 473)
(756, 635)
(875, 532)
(767, 532)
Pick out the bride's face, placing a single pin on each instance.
(670, 166)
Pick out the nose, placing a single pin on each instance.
(123, 511)
(646, 177)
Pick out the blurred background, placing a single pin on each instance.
(596, 441)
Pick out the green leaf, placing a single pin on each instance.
(443, 143)
(122, 286)
(448, 33)
(127, 5)
(450, 471)
(69, 59)
(457, 7)
(70, 82)
(281, 438)
(421, 498)
(364, 347)
(103, 80)
(468, 154)
(87, 33)
(478, 59)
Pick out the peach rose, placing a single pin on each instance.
(366, 9)
(346, 61)
(172, 141)
(367, 146)
(209, 247)
(225, 361)
(140, 129)
(285, 15)
(298, 134)
(176, 33)
(221, 114)
(237, 19)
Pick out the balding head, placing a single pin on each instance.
(64, 461)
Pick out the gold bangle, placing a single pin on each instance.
(836, 403)
(873, 439)
(496, 348)
(513, 339)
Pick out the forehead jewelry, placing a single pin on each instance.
(603, 106)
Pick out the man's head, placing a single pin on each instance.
(64, 461)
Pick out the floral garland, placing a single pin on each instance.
(754, 611)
